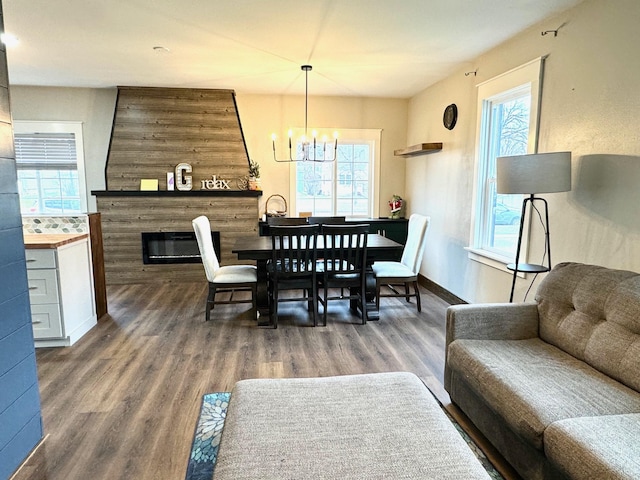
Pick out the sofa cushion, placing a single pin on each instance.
(373, 426)
(532, 384)
(596, 447)
(593, 313)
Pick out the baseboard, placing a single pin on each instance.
(441, 292)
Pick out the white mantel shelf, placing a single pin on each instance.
(418, 149)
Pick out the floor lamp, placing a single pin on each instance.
(533, 174)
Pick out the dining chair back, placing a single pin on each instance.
(405, 272)
(343, 265)
(284, 222)
(223, 279)
(293, 267)
(327, 220)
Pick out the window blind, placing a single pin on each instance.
(45, 151)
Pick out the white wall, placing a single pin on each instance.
(590, 106)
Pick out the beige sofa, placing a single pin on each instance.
(554, 384)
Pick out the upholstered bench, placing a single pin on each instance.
(372, 426)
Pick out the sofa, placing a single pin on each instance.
(554, 384)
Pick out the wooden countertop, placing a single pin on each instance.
(51, 240)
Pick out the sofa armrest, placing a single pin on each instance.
(488, 321)
(492, 321)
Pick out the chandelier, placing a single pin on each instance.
(313, 149)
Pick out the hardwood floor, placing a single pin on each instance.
(123, 402)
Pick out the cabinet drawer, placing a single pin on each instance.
(40, 258)
(43, 286)
(46, 321)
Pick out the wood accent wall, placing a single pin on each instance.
(154, 129)
(124, 218)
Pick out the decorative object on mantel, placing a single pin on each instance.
(396, 205)
(149, 184)
(170, 182)
(274, 212)
(418, 149)
(309, 147)
(243, 182)
(183, 182)
(254, 175)
(450, 116)
(532, 174)
(214, 183)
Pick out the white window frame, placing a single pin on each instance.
(501, 85)
(347, 136)
(27, 126)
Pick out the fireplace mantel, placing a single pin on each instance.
(177, 193)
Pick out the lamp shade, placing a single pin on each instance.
(534, 173)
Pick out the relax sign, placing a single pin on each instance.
(185, 182)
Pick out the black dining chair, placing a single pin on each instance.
(284, 222)
(293, 267)
(327, 220)
(343, 265)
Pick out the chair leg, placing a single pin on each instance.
(406, 292)
(325, 304)
(210, 302)
(417, 292)
(377, 294)
(254, 303)
(363, 303)
(314, 304)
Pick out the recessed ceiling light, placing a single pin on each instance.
(160, 49)
(8, 39)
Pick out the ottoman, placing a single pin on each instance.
(371, 426)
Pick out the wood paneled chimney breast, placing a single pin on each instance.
(154, 129)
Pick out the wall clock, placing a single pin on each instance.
(450, 116)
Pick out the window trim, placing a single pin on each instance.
(32, 126)
(532, 73)
(348, 135)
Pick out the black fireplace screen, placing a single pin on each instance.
(174, 247)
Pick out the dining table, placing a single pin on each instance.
(258, 249)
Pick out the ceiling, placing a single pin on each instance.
(378, 48)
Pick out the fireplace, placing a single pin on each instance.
(174, 247)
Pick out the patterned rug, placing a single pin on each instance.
(206, 441)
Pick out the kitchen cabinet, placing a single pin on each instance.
(61, 288)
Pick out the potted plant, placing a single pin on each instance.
(254, 175)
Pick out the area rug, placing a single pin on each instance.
(206, 441)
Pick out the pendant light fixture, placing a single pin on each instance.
(313, 149)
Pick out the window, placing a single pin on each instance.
(344, 187)
(507, 125)
(50, 166)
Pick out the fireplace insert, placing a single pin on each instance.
(174, 247)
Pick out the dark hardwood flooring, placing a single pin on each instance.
(123, 402)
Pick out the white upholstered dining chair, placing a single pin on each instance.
(390, 275)
(223, 279)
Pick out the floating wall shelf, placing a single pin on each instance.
(418, 149)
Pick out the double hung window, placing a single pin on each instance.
(344, 187)
(507, 125)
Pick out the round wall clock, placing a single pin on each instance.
(450, 116)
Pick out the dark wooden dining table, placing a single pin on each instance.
(259, 249)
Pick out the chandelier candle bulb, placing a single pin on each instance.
(307, 150)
